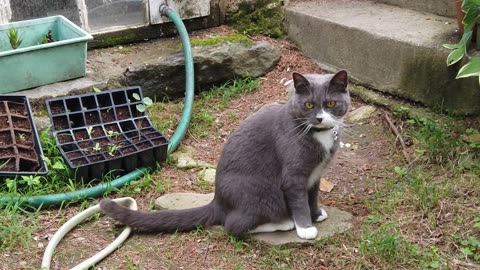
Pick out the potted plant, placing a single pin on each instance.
(41, 51)
(20, 149)
(105, 132)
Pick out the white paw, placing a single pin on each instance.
(323, 216)
(307, 233)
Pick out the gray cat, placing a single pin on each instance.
(268, 173)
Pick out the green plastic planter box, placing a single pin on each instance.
(33, 63)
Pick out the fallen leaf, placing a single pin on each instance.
(325, 185)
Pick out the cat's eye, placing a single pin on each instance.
(309, 105)
(331, 104)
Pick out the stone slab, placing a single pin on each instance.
(440, 7)
(361, 114)
(182, 200)
(338, 220)
(394, 50)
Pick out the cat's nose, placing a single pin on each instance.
(319, 119)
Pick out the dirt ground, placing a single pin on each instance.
(358, 172)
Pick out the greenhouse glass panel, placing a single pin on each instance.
(107, 14)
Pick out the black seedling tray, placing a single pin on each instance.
(20, 149)
(103, 132)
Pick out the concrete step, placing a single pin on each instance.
(440, 7)
(395, 50)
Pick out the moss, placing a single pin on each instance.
(116, 40)
(220, 39)
(261, 17)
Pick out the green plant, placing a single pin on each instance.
(220, 39)
(14, 38)
(89, 130)
(471, 248)
(22, 137)
(460, 49)
(146, 102)
(112, 134)
(97, 147)
(112, 148)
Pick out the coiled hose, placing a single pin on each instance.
(99, 190)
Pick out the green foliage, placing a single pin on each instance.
(261, 17)
(14, 38)
(16, 226)
(220, 39)
(146, 102)
(387, 245)
(470, 248)
(460, 50)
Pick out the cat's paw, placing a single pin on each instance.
(322, 215)
(307, 233)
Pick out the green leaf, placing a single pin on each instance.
(472, 68)
(58, 166)
(148, 101)
(96, 90)
(455, 56)
(136, 96)
(470, 19)
(452, 46)
(434, 264)
(47, 160)
(140, 107)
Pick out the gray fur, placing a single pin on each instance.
(262, 174)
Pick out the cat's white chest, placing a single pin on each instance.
(327, 139)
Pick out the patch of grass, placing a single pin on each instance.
(220, 39)
(17, 227)
(385, 245)
(261, 17)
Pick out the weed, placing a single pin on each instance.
(470, 248)
(97, 147)
(16, 226)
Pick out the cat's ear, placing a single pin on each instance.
(339, 82)
(302, 86)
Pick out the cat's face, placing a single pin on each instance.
(320, 101)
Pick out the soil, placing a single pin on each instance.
(4, 123)
(27, 154)
(5, 138)
(74, 154)
(92, 118)
(122, 113)
(107, 115)
(17, 108)
(80, 134)
(64, 137)
(24, 139)
(56, 107)
(79, 162)
(60, 123)
(95, 158)
(127, 150)
(97, 132)
(2, 108)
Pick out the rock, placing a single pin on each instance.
(182, 200)
(165, 76)
(361, 114)
(338, 221)
(42, 123)
(207, 175)
(184, 161)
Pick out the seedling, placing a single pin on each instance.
(90, 130)
(112, 134)
(112, 148)
(22, 137)
(97, 148)
(14, 38)
(146, 102)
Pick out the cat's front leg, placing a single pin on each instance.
(297, 200)
(317, 214)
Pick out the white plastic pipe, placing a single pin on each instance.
(69, 225)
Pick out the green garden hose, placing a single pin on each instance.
(61, 198)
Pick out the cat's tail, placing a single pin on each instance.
(163, 220)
